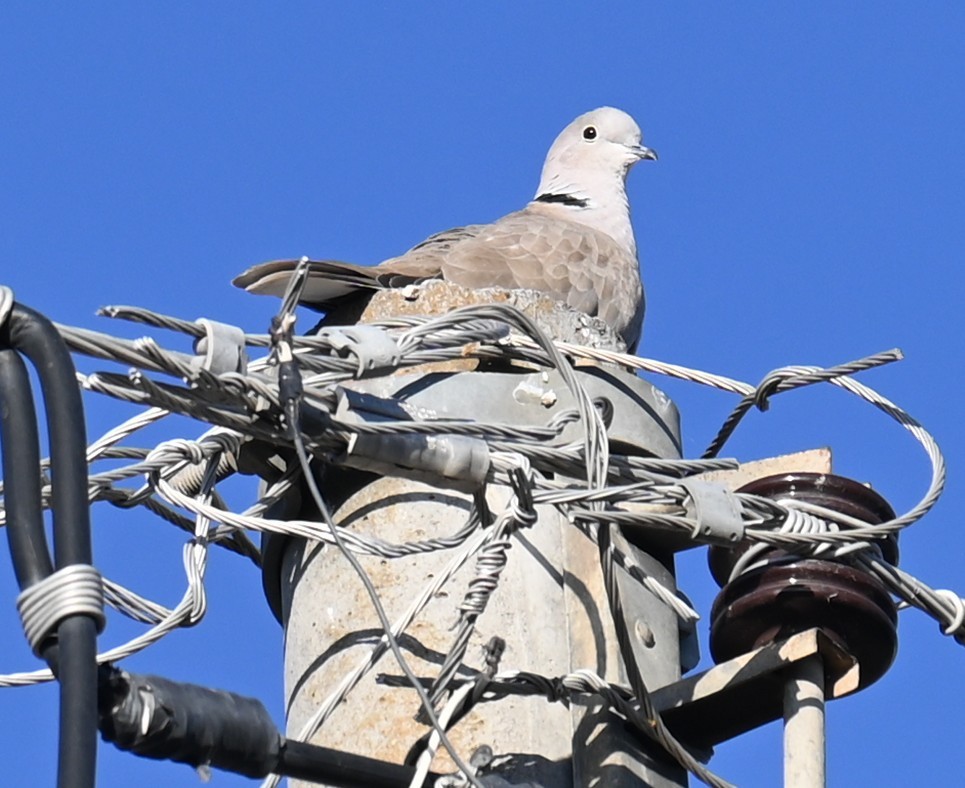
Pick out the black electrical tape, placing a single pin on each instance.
(167, 720)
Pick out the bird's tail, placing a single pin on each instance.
(329, 281)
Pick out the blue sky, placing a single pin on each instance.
(807, 208)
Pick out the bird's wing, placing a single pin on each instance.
(437, 246)
(582, 267)
(329, 281)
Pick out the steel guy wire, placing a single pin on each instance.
(248, 403)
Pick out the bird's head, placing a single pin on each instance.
(597, 146)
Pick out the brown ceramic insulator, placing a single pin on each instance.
(790, 594)
(779, 600)
(822, 489)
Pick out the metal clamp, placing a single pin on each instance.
(371, 346)
(221, 349)
(716, 511)
(454, 461)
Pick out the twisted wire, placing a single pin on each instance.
(597, 490)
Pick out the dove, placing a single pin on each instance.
(573, 241)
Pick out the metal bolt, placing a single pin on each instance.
(644, 633)
(482, 756)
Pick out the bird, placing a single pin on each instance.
(573, 241)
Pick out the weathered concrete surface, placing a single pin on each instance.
(329, 614)
(438, 298)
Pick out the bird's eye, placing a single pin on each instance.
(589, 133)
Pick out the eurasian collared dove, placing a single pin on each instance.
(573, 241)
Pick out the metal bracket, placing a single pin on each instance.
(748, 691)
(357, 407)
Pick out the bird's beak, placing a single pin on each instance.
(645, 153)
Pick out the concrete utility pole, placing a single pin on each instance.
(550, 607)
(778, 653)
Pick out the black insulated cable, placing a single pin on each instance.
(21, 473)
(35, 337)
(72, 656)
(163, 719)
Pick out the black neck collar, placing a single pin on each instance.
(563, 199)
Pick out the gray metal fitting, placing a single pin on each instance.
(371, 346)
(716, 510)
